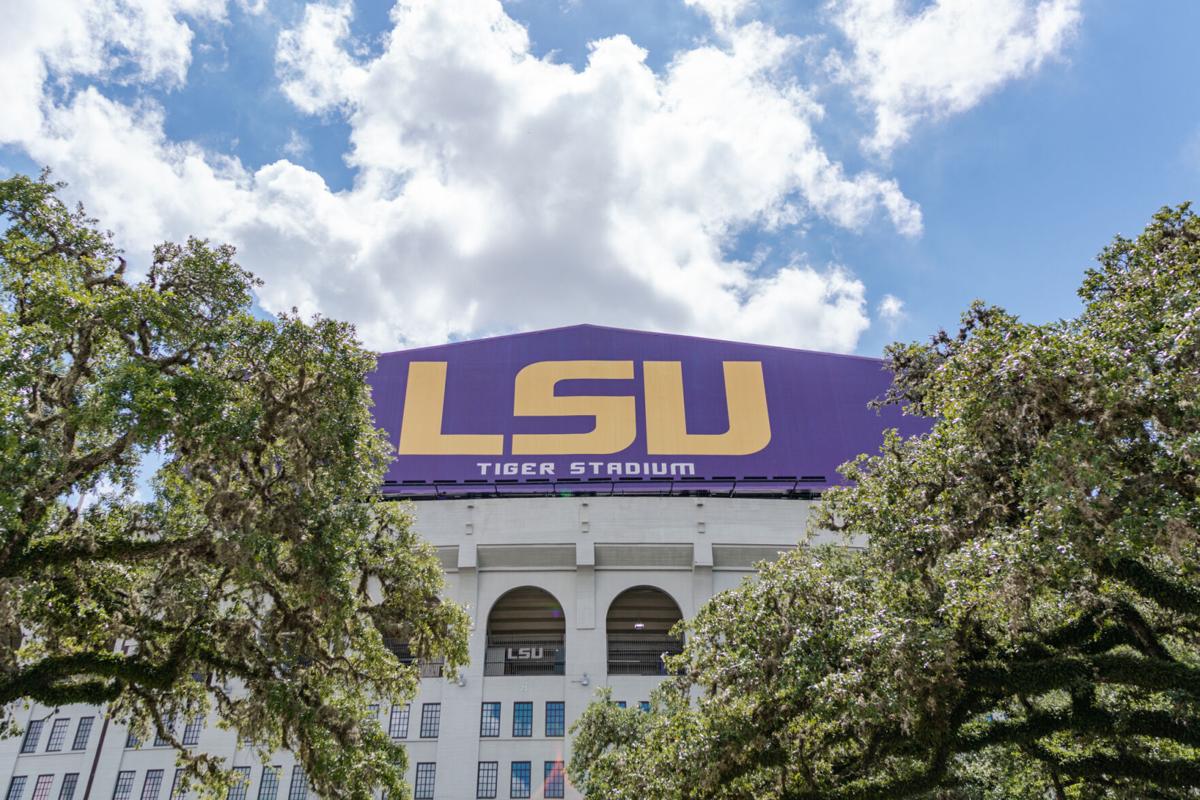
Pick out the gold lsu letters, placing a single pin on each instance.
(616, 426)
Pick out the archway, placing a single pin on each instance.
(639, 621)
(525, 634)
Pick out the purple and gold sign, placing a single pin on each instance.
(587, 408)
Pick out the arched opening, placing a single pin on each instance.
(525, 634)
(639, 621)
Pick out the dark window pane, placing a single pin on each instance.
(32, 735)
(431, 720)
(268, 787)
(489, 719)
(70, 781)
(152, 784)
(554, 784)
(519, 785)
(486, 780)
(58, 735)
(82, 731)
(423, 785)
(16, 787)
(522, 719)
(398, 722)
(555, 718)
(241, 784)
(124, 785)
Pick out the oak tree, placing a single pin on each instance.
(1024, 619)
(255, 572)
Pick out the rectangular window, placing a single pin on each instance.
(423, 785)
(268, 787)
(58, 735)
(298, 790)
(398, 722)
(32, 735)
(152, 784)
(554, 784)
(431, 720)
(159, 739)
(620, 704)
(191, 731)
(644, 705)
(489, 719)
(131, 740)
(519, 784)
(70, 781)
(41, 789)
(82, 731)
(556, 718)
(486, 779)
(177, 788)
(241, 784)
(16, 788)
(124, 786)
(522, 719)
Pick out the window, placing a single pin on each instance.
(398, 722)
(131, 740)
(124, 786)
(82, 731)
(555, 718)
(268, 787)
(70, 781)
(519, 785)
(423, 785)
(241, 783)
(554, 784)
(191, 731)
(152, 784)
(373, 713)
(431, 720)
(16, 788)
(486, 779)
(178, 792)
(32, 734)
(159, 739)
(298, 790)
(41, 789)
(58, 735)
(489, 719)
(620, 704)
(644, 705)
(522, 719)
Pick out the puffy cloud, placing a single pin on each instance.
(722, 12)
(891, 311)
(493, 189)
(119, 40)
(945, 57)
(497, 190)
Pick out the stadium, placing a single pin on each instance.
(585, 488)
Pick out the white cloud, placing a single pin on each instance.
(124, 40)
(495, 189)
(723, 13)
(891, 311)
(944, 58)
(499, 190)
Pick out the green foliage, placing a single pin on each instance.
(1024, 621)
(264, 573)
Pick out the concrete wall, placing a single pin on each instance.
(584, 551)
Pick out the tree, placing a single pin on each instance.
(1024, 621)
(264, 573)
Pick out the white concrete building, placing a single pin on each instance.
(574, 544)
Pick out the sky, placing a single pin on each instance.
(829, 175)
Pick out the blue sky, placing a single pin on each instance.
(831, 175)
